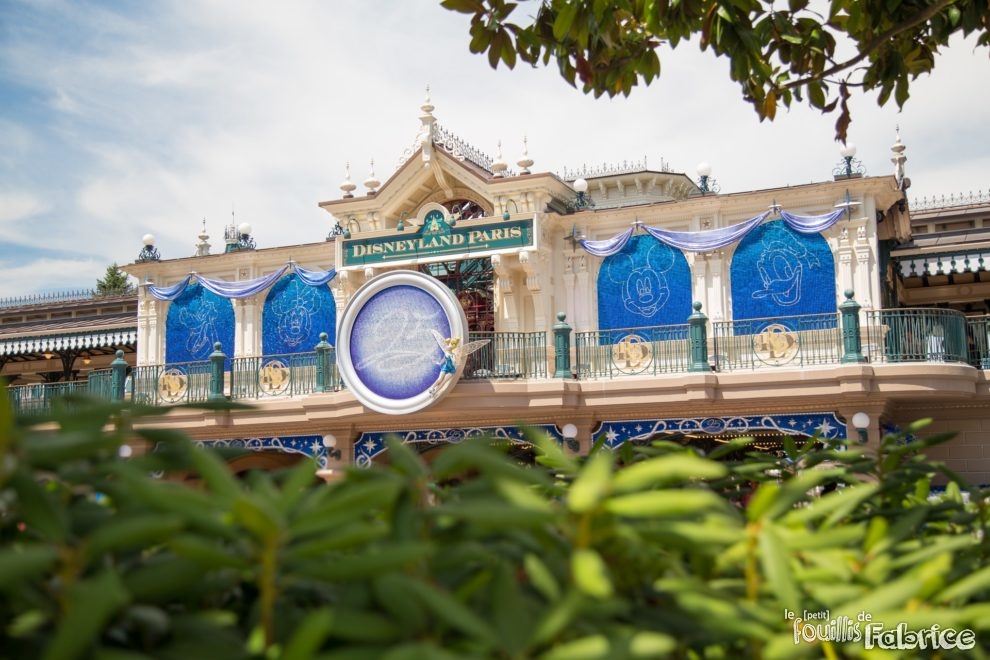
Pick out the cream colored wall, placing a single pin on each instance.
(957, 396)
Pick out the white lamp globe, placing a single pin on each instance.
(861, 420)
(581, 185)
(148, 239)
(244, 228)
(704, 169)
(569, 431)
(848, 150)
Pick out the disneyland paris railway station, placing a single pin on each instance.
(464, 296)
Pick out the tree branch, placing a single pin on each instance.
(875, 43)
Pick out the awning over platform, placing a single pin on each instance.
(99, 339)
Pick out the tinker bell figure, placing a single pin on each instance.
(454, 355)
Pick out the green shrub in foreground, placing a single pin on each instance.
(646, 553)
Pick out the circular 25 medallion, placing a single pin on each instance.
(397, 341)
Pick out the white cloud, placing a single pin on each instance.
(171, 112)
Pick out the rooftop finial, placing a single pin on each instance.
(427, 106)
(203, 245)
(499, 166)
(372, 182)
(348, 186)
(898, 159)
(525, 162)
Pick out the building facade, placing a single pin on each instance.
(462, 297)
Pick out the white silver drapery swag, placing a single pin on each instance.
(244, 289)
(712, 239)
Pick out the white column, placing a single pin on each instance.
(582, 295)
(864, 289)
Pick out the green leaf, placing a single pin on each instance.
(591, 484)
(464, 6)
(91, 604)
(776, 562)
(214, 472)
(583, 648)
(967, 587)
(309, 635)
(565, 19)
(666, 503)
(590, 573)
(646, 644)
(23, 562)
(258, 517)
(208, 553)
(666, 470)
(137, 531)
(541, 577)
(372, 562)
(453, 612)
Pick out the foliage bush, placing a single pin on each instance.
(642, 553)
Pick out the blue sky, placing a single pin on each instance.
(123, 118)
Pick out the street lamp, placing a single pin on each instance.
(569, 431)
(706, 182)
(848, 166)
(148, 252)
(583, 200)
(861, 422)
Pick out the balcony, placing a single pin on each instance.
(891, 336)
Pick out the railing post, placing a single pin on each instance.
(852, 346)
(322, 363)
(217, 359)
(562, 347)
(118, 370)
(698, 334)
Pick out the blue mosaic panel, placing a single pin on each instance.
(294, 315)
(777, 271)
(372, 443)
(308, 445)
(196, 320)
(647, 284)
(393, 350)
(826, 425)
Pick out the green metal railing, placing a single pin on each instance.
(632, 351)
(791, 341)
(38, 398)
(915, 335)
(978, 341)
(507, 355)
(164, 384)
(99, 383)
(280, 375)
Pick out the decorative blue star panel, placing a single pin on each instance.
(778, 272)
(196, 320)
(647, 284)
(826, 424)
(294, 316)
(309, 445)
(372, 443)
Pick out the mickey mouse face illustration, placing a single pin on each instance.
(295, 311)
(644, 287)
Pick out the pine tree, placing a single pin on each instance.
(114, 283)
